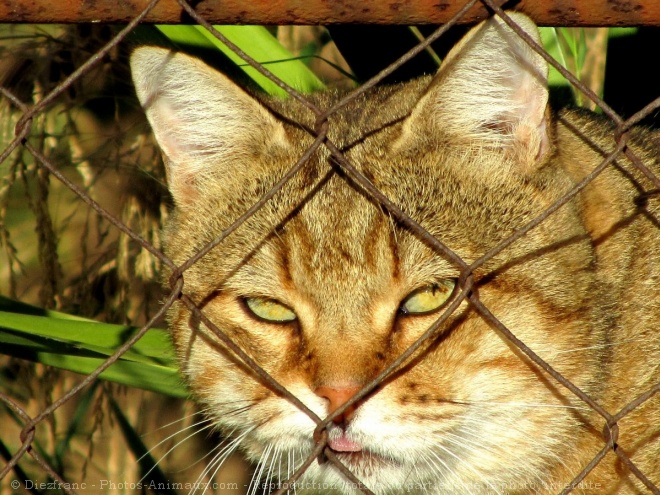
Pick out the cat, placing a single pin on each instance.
(324, 287)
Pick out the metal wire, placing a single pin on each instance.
(465, 294)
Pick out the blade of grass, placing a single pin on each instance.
(259, 44)
(158, 379)
(153, 477)
(82, 406)
(99, 338)
(81, 346)
(161, 379)
(583, 51)
(18, 471)
(84, 338)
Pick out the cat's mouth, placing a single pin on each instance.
(361, 461)
(344, 444)
(364, 464)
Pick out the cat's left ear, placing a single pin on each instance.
(491, 92)
(206, 126)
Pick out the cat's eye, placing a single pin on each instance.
(427, 299)
(269, 310)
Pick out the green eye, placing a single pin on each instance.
(269, 310)
(427, 299)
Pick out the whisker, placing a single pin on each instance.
(527, 404)
(289, 468)
(256, 475)
(225, 442)
(437, 469)
(468, 466)
(218, 461)
(225, 450)
(600, 346)
(176, 433)
(279, 468)
(210, 425)
(415, 471)
(172, 423)
(473, 436)
(269, 473)
(199, 412)
(293, 469)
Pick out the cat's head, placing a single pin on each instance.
(323, 287)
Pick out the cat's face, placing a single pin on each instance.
(324, 288)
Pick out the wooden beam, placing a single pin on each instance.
(406, 12)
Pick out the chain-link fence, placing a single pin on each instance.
(137, 239)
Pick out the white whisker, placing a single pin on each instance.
(178, 432)
(225, 450)
(258, 472)
(180, 420)
(210, 425)
(467, 465)
(443, 470)
(600, 346)
(528, 404)
(269, 473)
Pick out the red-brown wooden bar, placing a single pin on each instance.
(407, 12)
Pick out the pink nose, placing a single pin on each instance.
(336, 398)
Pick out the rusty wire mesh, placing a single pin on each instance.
(24, 127)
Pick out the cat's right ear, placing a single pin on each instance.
(205, 124)
(490, 93)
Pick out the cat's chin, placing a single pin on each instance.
(382, 475)
(364, 462)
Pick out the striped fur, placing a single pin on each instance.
(472, 155)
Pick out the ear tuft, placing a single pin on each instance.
(491, 91)
(202, 121)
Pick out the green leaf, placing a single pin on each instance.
(549, 37)
(99, 338)
(13, 306)
(81, 346)
(259, 44)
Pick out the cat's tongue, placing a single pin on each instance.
(343, 444)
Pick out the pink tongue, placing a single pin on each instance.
(343, 444)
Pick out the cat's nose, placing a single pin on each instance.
(336, 398)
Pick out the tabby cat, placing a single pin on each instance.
(324, 287)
